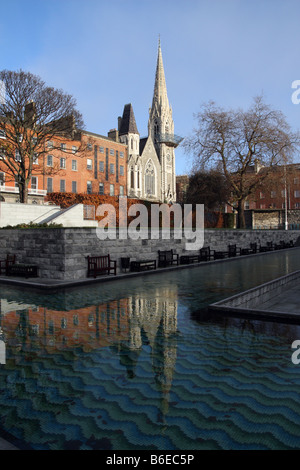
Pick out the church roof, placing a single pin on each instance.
(142, 144)
(128, 124)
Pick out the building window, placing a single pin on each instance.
(63, 147)
(283, 193)
(296, 205)
(121, 170)
(36, 159)
(74, 149)
(112, 168)
(62, 186)
(246, 205)
(262, 206)
(74, 165)
(101, 167)
(2, 153)
(89, 187)
(89, 146)
(89, 164)
(101, 188)
(2, 178)
(121, 154)
(17, 156)
(296, 180)
(49, 185)
(297, 193)
(112, 190)
(111, 152)
(62, 163)
(132, 178)
(121, 190)
(101, 149)
(49, 160)
(261, 195)
(50, 144)
(273, 194)
(34, 184)
(2, 134)
(150, 179)
(74, 186)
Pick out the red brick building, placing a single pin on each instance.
(85, 163)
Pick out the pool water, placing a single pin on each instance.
(141, 364)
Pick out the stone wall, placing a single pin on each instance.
(256, 297)
(61, 253)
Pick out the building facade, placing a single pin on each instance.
(151, 160)
(120, 164)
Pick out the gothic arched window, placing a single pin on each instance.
(150, 179)
(132, 178)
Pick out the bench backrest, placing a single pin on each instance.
(167, 254)
(205, 250)
(102, 262)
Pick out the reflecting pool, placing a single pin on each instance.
(141, 364)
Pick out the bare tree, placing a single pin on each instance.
(32, 114)
(241, 143)
(209, 188)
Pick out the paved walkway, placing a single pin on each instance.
(4, 445)
(288, 301)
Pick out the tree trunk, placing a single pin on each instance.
(23, 192)
(241, 215)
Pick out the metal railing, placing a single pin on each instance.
(13, 189)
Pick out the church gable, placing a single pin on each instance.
(151, 168)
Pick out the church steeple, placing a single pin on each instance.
(160, 96)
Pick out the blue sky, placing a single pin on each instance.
(104, 52)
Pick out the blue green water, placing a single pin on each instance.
(141, 364)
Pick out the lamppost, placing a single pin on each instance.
(285, 201)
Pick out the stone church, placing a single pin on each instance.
(151, 160)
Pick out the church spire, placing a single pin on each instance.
(160, 96)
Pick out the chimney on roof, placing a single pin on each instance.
(114, 135)
(30, 113)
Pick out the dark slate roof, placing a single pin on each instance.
(128, 124)
(142, 144)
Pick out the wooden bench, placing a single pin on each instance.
(101, 265)
(220, 254)
(189, 259)
(24, 270)
(5, 263)
(143, 265)
(268, 247)
(249, 251)
(231, 253)
(206, 254)
(167, 257)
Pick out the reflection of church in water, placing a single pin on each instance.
(153, 323)
(129, 325)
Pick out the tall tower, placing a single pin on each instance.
(129, 135)
(161, 130)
